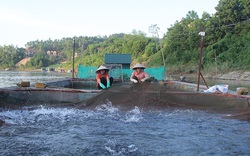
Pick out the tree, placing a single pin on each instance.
(40, 65)
(192, 15)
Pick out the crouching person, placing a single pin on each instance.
(103, 80)
(139, 75)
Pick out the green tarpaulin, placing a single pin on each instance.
(116, 72)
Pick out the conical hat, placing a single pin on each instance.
(138, 65)
(102, 68)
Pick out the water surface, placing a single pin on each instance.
(11, 78)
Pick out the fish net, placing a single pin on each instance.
(146, 96)
(163, 95)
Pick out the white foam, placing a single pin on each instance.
(134, 115)
(107, 107)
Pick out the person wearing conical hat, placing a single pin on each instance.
(102, 78)
(139, 75)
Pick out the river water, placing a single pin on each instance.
(45, 131)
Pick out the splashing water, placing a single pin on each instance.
(108, 131)
(134, 115)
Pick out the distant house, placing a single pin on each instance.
(29, 53)
(52, 53)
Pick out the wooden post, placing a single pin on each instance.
(73, 63)
(201, 46)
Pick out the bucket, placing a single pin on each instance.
(242, 91)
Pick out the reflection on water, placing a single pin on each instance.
(106, 130)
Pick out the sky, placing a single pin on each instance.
(22, 21)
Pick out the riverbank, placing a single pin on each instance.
(234, 79)
(234, 75)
